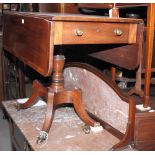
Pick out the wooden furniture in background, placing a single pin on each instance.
(3, 7)
(144, 138)
(146, 65)
(58, 7)
(12, 84)
(37, 49)
(9, 7)
(149, 51)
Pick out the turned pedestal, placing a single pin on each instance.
(56, 94)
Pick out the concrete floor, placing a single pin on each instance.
(5, 144)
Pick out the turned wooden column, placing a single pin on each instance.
(149, 51)
(114, 12)
(57, 78)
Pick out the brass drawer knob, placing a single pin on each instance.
(78, 32)
(118, 32)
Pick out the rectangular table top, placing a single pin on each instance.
(31, 37)
(73, 17)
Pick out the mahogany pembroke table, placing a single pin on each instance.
(31, 37)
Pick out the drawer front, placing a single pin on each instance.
(94, 33)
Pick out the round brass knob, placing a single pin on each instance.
(78, 32)
(118, 32)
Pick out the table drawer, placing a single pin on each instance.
(94, 33)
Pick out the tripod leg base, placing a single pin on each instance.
(74, 97)
(79, 108)
(38, 90)
(43, 136)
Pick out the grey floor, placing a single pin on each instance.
(5, 144)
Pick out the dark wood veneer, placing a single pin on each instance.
(144, 138)
(31, 38)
